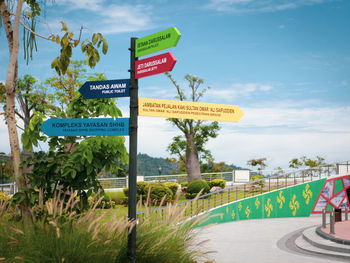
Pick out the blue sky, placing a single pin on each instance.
(286, 64)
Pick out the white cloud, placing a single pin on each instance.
(279, 134)
(238, 90)
(282, 27)
(279, 131)
(110, 18)
(126, 18)
(81, 4)
(258, 6)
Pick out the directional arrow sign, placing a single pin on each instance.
(189, 110)
(86, 127)
(154, 65)
(106, 89)
(156, 42)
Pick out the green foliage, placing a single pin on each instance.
(142, 188)
(72, 162)
(184, 184)
(4, 196)
(308, 162)
(258, 178)
(195, 187)
(67, 43)
(105, 202)
(217, 182)
(59, 235)
(126, 191)
(173, 187)
(258, 162)
(77, 170)
(159, 191)
(117, 197)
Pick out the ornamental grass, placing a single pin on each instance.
(58, 234)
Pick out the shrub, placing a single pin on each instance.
(257, 178)
(173, 187)
(217, 182)
(158, 191)
(4, 196)
(118, 197)
(126, 191)
(184, 184)
(195, 187)
(142, 189)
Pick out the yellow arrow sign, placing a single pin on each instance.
(189, 110)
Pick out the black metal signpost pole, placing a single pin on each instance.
(132, 153)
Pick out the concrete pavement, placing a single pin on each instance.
(261, 240)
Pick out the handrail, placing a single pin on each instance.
(285, 176)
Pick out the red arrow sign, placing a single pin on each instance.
(154, 65)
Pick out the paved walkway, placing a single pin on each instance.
(341, 229)
(261, 240)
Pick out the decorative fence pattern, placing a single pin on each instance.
(293, 201)
(249, 191)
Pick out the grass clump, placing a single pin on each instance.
(59, 234)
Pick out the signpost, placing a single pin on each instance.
(86, 127)
(189, 110)
(154, 65)
(156, 42)
(105, 89)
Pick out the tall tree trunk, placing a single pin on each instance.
(12, 35)
(192, 160)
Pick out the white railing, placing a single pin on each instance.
(122, 182)
(10, 188)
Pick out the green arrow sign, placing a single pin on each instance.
(158, 41)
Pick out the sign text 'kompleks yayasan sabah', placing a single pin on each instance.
(86, 127)
(154, 65)
(189, 110)
(106, 89)
(157, 42)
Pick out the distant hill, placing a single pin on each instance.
(147, 165)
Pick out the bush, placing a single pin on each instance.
(126, 191)
(195, 187)
(217, 182)
(184, 184)
(257, 178)
(158, 191)
(173, 187)
(117, 197)
(142, 189)
(4, 196)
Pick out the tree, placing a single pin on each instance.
(295, 163)
(258, 162)
(190, 146)
(73, 162)
(60, 64)
(29, 97)
(212, 167)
